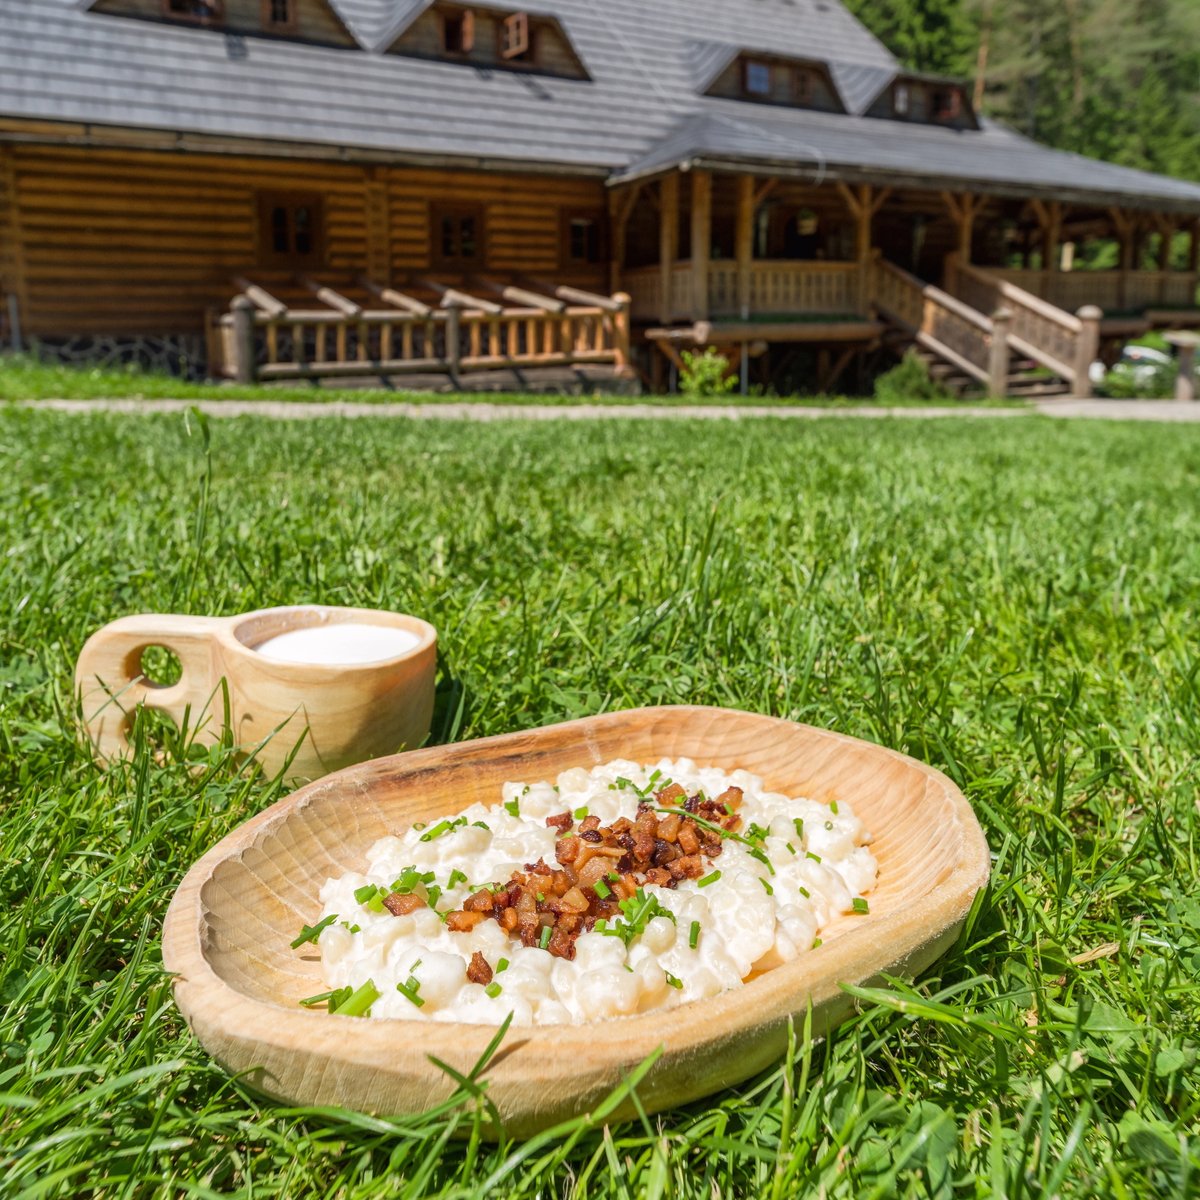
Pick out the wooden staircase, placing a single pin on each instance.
(984, 336)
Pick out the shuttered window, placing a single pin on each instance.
(291, 230)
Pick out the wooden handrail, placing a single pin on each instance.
(335, 300)
(395, 298)
(259, 296)
(1018, 295)
(517, 295)
(454, 298)
(930, 292)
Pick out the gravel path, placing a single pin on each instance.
(1115, 410)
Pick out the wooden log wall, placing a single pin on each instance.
(127, 242)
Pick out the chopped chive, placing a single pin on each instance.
(502, 965)
(359, 1002)
(541, 897)
(456, 877)
(805, 893)
(442, 828)
(580, 813)
(628, 968)
(409, 990)
(816, 943)
(712, 878)
(799, 824)
(512, 807)
(828, 825)
(791, 848)
(493, 990)
(365, 893)
(480, 825)
(770, 889)
(544, 938)
(673, 981)
(602, 889)
(350, 928)
(860, 905)
(762, 858)
(434, 894)
(310, 933)
(601, 925)
(833, 807)
(419, 825)
(312, 1001)
(694, 935)
(814, 857)
(655, 776)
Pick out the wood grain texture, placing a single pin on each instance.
(345, 714)
(227, 932)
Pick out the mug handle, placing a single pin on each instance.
(111, 687)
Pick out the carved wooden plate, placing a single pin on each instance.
(229, 926)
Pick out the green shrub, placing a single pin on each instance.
(910, 380)
(1123, 383)
(706, 374)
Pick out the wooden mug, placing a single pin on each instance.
(345, 714)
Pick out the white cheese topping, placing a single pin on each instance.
(753, 917)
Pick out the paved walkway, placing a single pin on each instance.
(1117, 410)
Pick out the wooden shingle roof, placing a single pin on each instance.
(641, 110)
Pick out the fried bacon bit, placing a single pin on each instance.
(597, 866)
(401, 905)
(479, 970)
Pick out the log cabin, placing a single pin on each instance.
(571, 191)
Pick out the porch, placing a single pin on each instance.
(788, 261)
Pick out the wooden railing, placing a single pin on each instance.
(775, 288)
(1059, 341)
(785, 287)
(1111, 291)
(267, 341)
(951, 329)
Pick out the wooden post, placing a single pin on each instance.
(744, 243)
(13, 277)
(999, 354)
(379, 226)
(1194, 249)
(1087, 348)
(453, 349)
(620, 320)
(14, 324)
(1166, 233)
(1185, 381)
(863, 206)
(620, 207)
(668, 242)
(1123, 228)
(245, 354)
(701, 241)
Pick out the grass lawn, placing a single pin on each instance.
(23, 378)
(1015, 602)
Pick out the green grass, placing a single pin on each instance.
(1015, 602)
(23, 378)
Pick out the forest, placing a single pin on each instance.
(1113, 79)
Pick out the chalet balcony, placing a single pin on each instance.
(774, 289)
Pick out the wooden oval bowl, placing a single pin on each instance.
(229, 926)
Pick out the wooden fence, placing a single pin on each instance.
(261, 338)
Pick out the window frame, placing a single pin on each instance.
(467, 25)
(902, 100)
(215, 17)
(748, 65)
(803, 85)
(600, 220)
(954, 107)
(439, 212)
(519, 46)
(268, 255)
(267, 17)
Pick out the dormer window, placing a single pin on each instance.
(516, 41)
(458, 32)
(902, 100)
(279, 16)
(756, 77)
(201, 12)
(947, 104)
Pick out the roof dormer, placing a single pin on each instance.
(926, 100)
(315, 21)
(485, 35)
(765, 78)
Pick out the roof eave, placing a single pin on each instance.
(853, 173)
